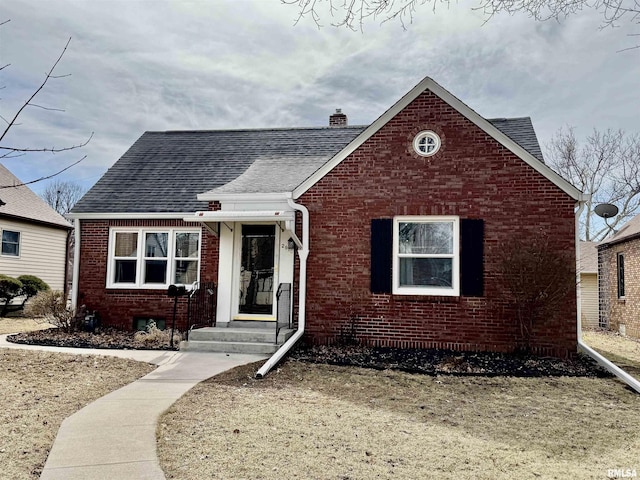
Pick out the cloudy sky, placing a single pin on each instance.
(139, 65)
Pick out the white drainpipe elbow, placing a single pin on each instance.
(303, 254)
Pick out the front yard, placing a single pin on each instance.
(313, 421)
(39, 390)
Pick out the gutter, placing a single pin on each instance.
(76, 265)
(602, 361)
(303, 253)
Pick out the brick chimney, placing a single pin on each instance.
(338, 119)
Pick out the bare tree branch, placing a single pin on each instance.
(7, 152)
(353, 14)
(44, 178)
(51, 150)
(62, 195)
(37, 91)
(606, 167)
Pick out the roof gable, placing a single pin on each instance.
(22, 203)
(484, 124)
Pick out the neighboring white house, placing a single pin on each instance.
(33, 235)
(588, 269)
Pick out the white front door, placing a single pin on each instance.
(255, 271)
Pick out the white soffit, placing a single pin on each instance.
(242, 216)
(431, 85)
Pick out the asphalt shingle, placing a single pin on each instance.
(21, 202)
(165, 171)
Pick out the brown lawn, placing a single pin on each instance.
(40, 389)
(325, 422)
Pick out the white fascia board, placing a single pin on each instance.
(241, 216)
(212, 196)
(464, 110)
(129, 216)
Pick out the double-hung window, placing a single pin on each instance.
(426, 255)
(153, 258)
(10, 243)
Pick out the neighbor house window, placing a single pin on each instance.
(620, 269)
(10, 243)
(145, 258)
(426, 256)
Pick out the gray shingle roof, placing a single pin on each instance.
(520, 130)
(165, 171)
(22, 203)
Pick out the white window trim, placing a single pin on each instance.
(140, 258)
(452, 291)
(6, 255)
(427, 134)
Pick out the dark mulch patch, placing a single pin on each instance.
(102, 338)
(424, 361)
(450, 362)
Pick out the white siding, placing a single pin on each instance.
(42, 252)
(589, 299)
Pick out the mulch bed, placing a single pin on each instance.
(424, 361)
(102, 338)
(450, 362)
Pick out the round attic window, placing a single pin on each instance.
(426, 143)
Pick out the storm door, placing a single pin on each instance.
(257, 260)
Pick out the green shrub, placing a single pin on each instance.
(31, 285)
(9, 289)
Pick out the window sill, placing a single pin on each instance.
(145, 287)
(426, 298)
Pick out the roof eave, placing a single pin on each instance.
(213, 196)
(429, 84)
(38, 222)
(128, 215)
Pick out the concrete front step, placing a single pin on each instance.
(236, 340)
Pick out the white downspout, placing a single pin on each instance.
(76, 264)
(303, 253)
(606, 364)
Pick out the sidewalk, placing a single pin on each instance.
(115, 436)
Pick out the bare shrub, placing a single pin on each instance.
(51, 306)
(154, 337)
(536, 280)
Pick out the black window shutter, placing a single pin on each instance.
(471, 258)
(381, 254)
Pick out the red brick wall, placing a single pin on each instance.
(118, 307)
(472, 176)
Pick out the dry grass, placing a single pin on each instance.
(19, 324)
(623, 351)
(39, 390)
(312, 421)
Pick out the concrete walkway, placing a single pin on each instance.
(115, 436)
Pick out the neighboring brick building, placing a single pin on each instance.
(399, 227)
(619, 280)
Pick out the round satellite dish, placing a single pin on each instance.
(606, 210)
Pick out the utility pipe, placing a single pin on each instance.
(303, 253)
(606, 364)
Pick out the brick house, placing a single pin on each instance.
(619, 280)
(389, 233)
